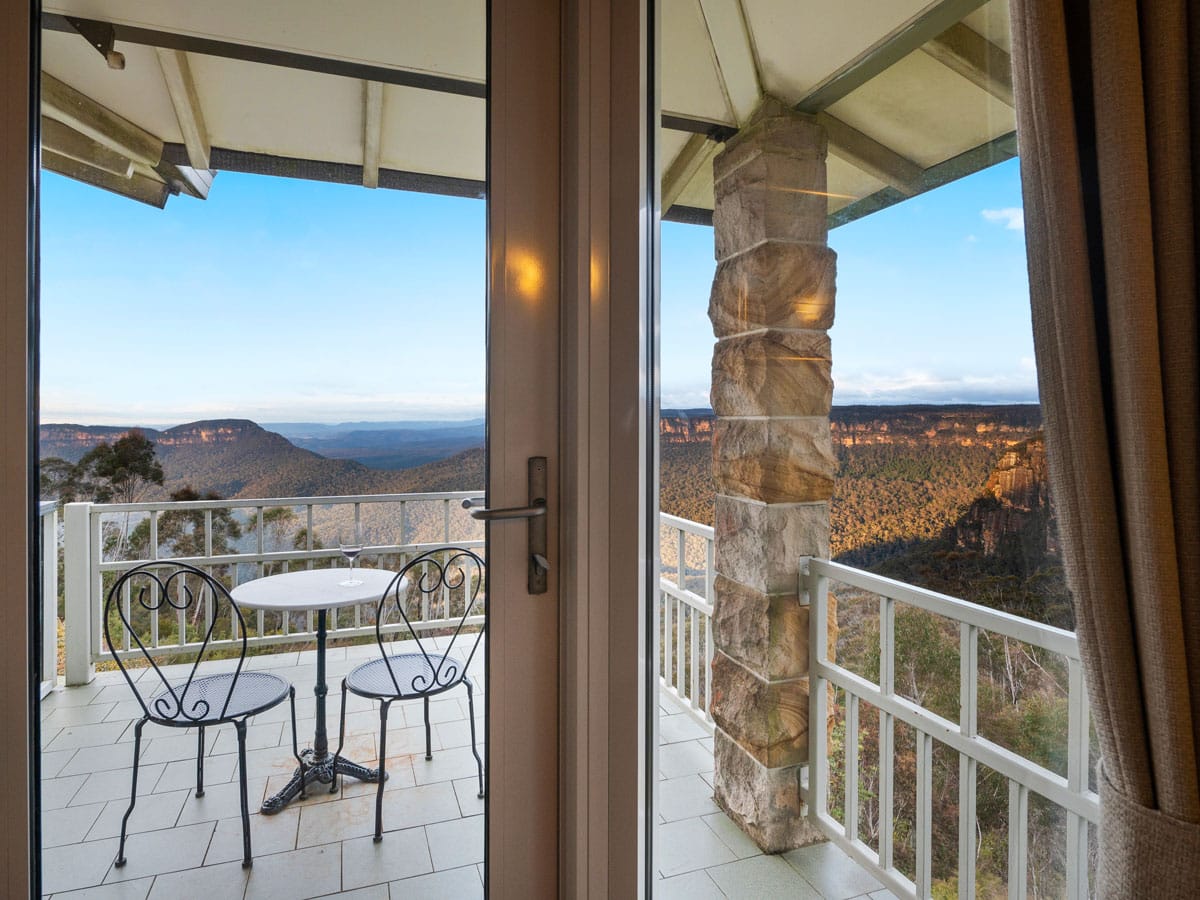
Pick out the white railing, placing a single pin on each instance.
(99, 540)
(685, 609)
(1071, 793)
(48, 513)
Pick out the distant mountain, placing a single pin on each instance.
(394, 448)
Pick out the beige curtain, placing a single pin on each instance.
(1108, 110)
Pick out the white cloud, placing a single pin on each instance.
(915, 386)
(1011, 217)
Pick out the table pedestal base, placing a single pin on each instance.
(323, 771)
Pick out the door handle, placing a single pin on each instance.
(534, 513)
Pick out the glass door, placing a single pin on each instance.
(270, 350)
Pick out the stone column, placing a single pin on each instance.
(771, 307)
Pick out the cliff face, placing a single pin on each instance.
(1015, 510)
(685, 426)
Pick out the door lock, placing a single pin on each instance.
(535, 513)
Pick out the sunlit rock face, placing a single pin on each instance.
(1015, 513)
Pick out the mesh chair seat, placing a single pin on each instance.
(416, 675)
(203, 700)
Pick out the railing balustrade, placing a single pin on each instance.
(48, 513)
(685, 614)
(103, 540)
(1024, 776)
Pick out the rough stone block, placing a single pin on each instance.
(770, 198)
(773, 373)
(768, 718)
(760, 546)
(775, 285)
(765, 803)
(774, 460)
(767, 633)
(774, 129)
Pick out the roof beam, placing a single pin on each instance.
(892, 48)
(136, 187)
(67, 142)
(976, 59)
(177, 74)
(733, 55)
(696, 152)
(872, 157)
(372, 132)
(63, 103)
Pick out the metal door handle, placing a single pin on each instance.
(535, 513)
(509, 512)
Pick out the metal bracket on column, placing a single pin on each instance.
(535, 512)
(102, 36)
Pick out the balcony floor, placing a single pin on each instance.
(184, 847)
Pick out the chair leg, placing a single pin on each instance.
(333, 782)
(295, 740)
(383, 714)
(137, 752)
(471, 716)
(247, 859)
(428, 738)
(200, 763)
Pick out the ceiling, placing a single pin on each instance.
(912, 94)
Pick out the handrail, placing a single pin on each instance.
(1081, 805)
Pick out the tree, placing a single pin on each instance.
(58, 480)
(121, 471)
(182, 530)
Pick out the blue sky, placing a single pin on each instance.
(282, 300)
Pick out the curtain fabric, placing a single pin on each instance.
(1108, 111)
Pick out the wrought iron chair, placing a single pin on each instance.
(456, 574)
(198, 700)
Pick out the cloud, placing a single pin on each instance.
(1011, 217)
(928, 387)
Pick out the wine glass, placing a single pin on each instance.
(351, 547)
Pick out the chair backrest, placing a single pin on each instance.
(443, 579)
(198, 600)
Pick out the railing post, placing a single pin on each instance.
(77, 573)
(814, 590)
(50, 597)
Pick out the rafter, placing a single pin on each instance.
(976, 59)
(372, 132)
(137, 187)
(872, 157)
(923, 27)
(177, 74)
(67, 142)
(733, 54)
(63, 103)
(698, 151)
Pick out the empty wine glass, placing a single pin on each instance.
(351, 547)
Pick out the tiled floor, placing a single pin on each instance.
(184, 847)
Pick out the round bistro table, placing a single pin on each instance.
(320, 590)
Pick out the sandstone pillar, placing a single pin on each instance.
(771, 307)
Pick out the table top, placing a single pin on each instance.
(313, 589)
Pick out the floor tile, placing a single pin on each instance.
(690, 795)
(422, 805)
(400, 854)
(761, 876)
(374, 892)
(122, 890)
(457, 842)
(181, 774)
(69, 825)
(97, 735)
(150, 813)
(100, 759)
(827, 868)
(58, 792)
(156, 852)
(67, 716)
(76, 865)
(684, 758)
(268, 834)
(469, 801)
(223, 882)
(692, 886)
(298, 875)
(446, 765)
(340, 820)
(115, 784)
(732, 836)
(682, 727)
(452, 884)
(686, 846)
(222, 801)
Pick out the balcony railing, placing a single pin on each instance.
(98, 544)
(1069, 791)
(48, 513)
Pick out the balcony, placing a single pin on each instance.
(879, 843)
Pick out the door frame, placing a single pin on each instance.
(591, 222)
